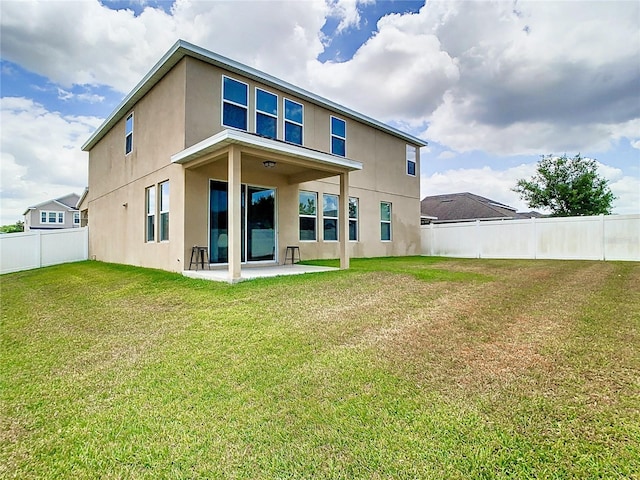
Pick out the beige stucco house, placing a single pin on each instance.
(206, 151)
(53, 214)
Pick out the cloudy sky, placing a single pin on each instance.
(490, 85)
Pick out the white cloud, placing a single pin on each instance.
(348, 13)
(484, 181)
(500, 77)
(497, 185)
(41, 156)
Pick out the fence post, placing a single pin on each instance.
(534, 238)
(478, 240)
(602, 243)
(431, 239)
(39, 249)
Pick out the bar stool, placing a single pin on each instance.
(293, 249)
(198, 255)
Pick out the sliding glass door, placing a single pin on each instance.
(258, 223)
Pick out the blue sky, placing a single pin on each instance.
(490, 85)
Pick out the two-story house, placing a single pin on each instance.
(53, 214)
(207, 151)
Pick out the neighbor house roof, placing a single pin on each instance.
(68, 201)
(183, 49)
(467, 206)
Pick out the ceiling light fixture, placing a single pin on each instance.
(269, 164)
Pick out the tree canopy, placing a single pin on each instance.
(15, 228)
(567, 187)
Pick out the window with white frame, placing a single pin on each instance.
(293, 121)
(411, 160)
(76, 218)
(338, 136)
(385, 221)
(52, 217)
(235, 103)
(330, 217)
(353, 219)
(150, 226)
(266, 114)
(164, 211)
(128, 135)
(308, 212)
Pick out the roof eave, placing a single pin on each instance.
(181, 49)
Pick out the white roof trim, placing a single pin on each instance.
(228, 137)
(181, 49)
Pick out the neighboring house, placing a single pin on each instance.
(460, 207)
(206, 151)
(53, 214)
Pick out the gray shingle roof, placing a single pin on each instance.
(467, 206)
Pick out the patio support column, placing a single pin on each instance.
(233, 205)
(343, 216)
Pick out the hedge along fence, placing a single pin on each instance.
(602, 237)
(41, 248)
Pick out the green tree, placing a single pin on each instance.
(567, 187)
(16, 227)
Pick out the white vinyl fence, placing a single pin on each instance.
(41, 248)
(610, 237)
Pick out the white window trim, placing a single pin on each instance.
(414, 161)
(293, 122)
(262, 112)
(46, 217)
(337, 136)
(388, 221)
(356, 219)
(301, 215)
(336, 218)
(126, 135)
(161, 210)
(150, 214)
(76, 218)
(223, 101)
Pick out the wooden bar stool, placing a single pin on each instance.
(198, 255)
(293, 249)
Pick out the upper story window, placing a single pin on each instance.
(235, 103)
(338, 136)
(51, 217)
(128, 136)
(266, 113)
(164, 211)
(411, 160)
(293, 121)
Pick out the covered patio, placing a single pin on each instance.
(242, 151)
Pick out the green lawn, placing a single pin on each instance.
(398, 368)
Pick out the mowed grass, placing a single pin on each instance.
(398, 368)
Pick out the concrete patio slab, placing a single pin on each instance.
(251, 272)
